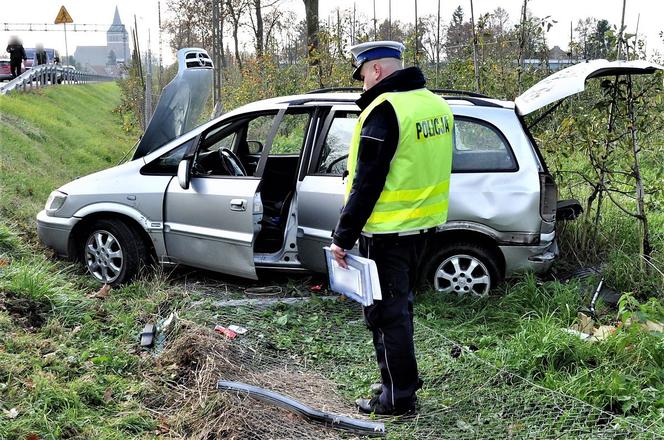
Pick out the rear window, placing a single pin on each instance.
(478, 146)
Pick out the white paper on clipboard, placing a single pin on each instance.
(358, 282)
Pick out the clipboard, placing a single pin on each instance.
(359, 282)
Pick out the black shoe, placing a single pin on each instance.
(376, 389)
(373, 406)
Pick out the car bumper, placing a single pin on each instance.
(54, 232)
(537, 259)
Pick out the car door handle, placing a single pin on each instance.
(238, 205)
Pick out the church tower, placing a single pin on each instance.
(117, 39)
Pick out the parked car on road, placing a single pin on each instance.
(5, 70)
(261, 188)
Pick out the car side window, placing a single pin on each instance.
(290, 135)
(334, 154)
(167, 163)
(480, 147)
(213, 160)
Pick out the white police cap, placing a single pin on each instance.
(374, 50)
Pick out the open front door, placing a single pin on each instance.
(210, 224)
(320, 193)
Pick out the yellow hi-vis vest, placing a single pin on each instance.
(415, 194)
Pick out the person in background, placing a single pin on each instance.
(40, 55)
(16, 55)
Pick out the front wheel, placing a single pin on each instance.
(113, 252)
(463, 269)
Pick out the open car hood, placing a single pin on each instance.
(181, 102)
(572, 80)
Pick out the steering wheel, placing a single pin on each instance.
(330, 167)
(231, 163)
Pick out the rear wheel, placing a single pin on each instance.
(463, 269)
(113, 252)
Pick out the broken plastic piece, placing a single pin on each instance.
(362, 427)
(147, 335)
(237, 329)
(230, 334)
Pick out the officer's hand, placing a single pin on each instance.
(339, 255)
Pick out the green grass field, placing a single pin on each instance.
(51, 136)
(71, 367)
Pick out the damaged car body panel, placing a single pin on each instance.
(262, 187)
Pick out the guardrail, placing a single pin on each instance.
(51, 74)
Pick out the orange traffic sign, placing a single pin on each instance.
(63, 16)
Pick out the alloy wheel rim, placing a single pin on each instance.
(463, 275)
(103, 256)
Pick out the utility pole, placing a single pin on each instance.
(571, 42)
(438, 46)
(477, 71)
(636, 37)
(161, 63)
(352, 36)
(416, 38)
(522, 44)
(374, 20)
(389, 8)
(148, 84)
(216, 41)
(620, 34)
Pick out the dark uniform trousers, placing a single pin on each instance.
(15, 68)
(391, 319)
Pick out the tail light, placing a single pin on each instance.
(548, 198)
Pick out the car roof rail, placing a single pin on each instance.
(452, 92)
(335, 89)
(459, 93)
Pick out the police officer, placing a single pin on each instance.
(397, 189)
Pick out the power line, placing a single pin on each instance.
(47, 27)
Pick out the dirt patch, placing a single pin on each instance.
(192, 407)
(25, 312)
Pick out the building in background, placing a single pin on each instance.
(109, 59)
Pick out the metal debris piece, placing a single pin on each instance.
(362, 427)
(147, 335)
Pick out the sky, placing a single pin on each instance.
(101, 12)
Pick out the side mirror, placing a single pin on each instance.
(254, 147)
(183, 173)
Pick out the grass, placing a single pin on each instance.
(51, 136)
(70, 364)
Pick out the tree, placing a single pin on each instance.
(236, 9)
(112, 59)
(311, 12)
(459, 36)
(189, 25)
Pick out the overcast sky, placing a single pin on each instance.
(101, 12)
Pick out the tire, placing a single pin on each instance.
(113, 252)
(463, 268)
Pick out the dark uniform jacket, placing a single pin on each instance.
(41, 57)
(378, 143)
(16, 53)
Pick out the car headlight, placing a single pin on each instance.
(55, 201)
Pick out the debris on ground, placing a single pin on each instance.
(193, 362)
(102, 293)
(230, 334)
(147, 335)
(585, 329)
(238, 329)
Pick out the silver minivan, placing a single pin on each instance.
(261, 187)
